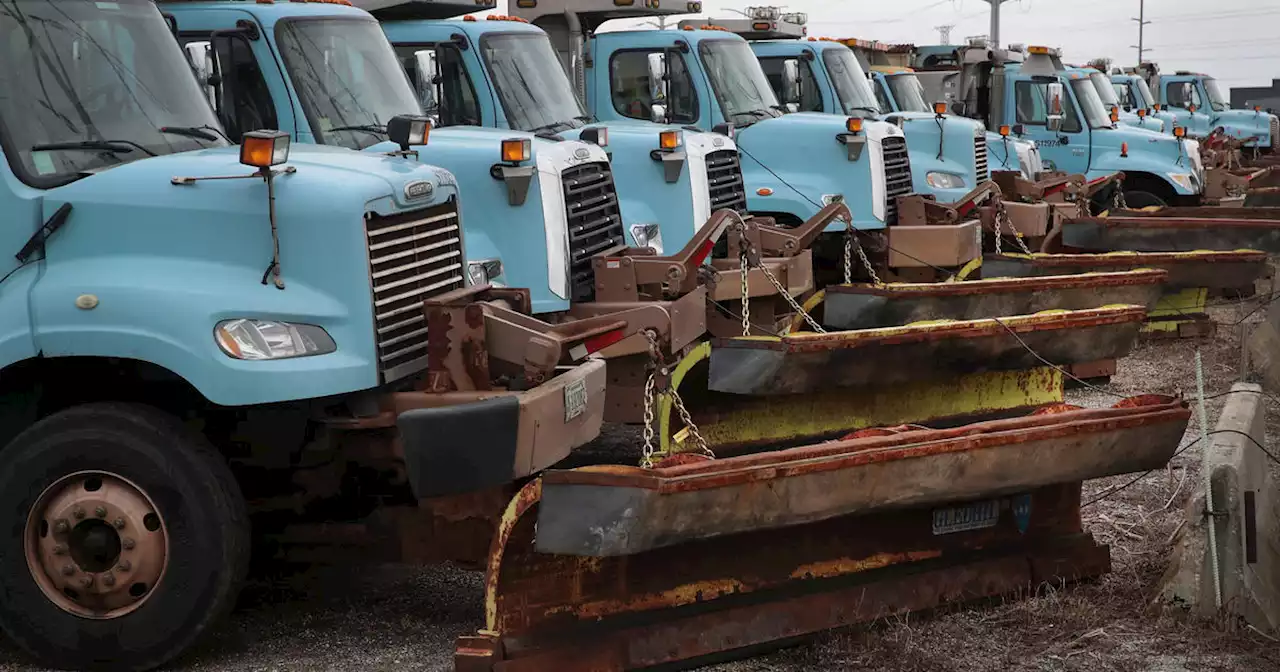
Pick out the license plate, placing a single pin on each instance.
(976, 516)
(575, 399)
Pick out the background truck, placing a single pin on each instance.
(189, 326)
(897, 89)
(710, 79)
(1117, 109)
(1135, 96)
(948, 155)
(1064, 116)
(502, 73)
(1185, 93)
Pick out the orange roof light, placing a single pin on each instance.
(468, 18)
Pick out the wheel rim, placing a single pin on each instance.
(96, 545)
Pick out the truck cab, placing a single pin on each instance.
(502, 73)
(1133, 95)
(325, 73)
(1111, 101)
(1198, 102)
(1063, 114)
(948, 156)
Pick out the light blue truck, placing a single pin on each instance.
(711, 80)
(501, 73)
(1120, 111)
(184, 319)
(1062, 113)
(1135, 96)
(1198, 102)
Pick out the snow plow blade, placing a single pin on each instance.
(617, 568)
(809, 362)
(848, 307)
(1168, 229)
(1201, 269)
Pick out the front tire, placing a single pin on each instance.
(126, 538)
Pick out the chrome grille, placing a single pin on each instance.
(897, 175)
(980, 170)
(412, 256)
(595, 223)
(724, 181)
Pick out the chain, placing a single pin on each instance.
(782, 291)
(851, 243)
(744, 264)
(1117, 199)
(657, 364)
(1002, 218)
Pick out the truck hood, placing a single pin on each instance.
(1242, 124)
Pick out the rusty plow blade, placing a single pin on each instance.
(809, 362)
(847, 307)
(616, 568)
(1186, 270)
(1177, 229)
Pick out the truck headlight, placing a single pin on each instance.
(267, 339)
(485, 272)
(944, 180)
(1183, 180)
(648, 235)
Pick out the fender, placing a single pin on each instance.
(1109, 162)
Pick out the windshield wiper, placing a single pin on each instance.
(200, 132)
(865, 108)
(113, 146)
(367, 128)
(553, 127)
(586, 118)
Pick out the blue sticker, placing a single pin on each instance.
(1022, 512)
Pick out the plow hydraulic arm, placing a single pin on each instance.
(922, 210)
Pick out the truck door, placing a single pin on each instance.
(1181, 94)
(1066, 149)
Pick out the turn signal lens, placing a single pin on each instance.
(263, 149)
(1124, 149)
(1179, 131)
(670, 139)
(1004, 131)
(1156, 107)
(1115, 114)
(939, 108)
(516, 150)
(1142, 114)
(853, 125)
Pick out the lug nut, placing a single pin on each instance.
(59, 549)
(108, 579)
(61, 526)
(68, 570)
(127, 543)
(78, 513)
(100, 512)
(86, 580)
(118, 523)
(124, 566)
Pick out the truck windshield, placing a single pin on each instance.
(88, 85)
(850, 82)
(1106, 92)
(739, 82)
(909, 92)
(1219, 102)
(1091, 104)
(534, 90)
(347, 79)
(1142, 93)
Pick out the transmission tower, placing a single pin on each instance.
(944, 33)
(1142, 23)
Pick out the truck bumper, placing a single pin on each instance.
(466, 441)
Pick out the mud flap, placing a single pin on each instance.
(1166, 229)
(809, 362)
(847, 307)
(687, 576)
(1208, 269)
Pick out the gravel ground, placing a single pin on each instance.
(405, 618)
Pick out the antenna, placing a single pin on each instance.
(944, 33)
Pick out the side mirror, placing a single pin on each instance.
(658, 86)
(427, 81)
(792, 87)
(204, 63)
(1055, 105)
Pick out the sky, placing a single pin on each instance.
(1233, 40)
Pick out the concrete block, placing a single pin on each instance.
(1246, 522)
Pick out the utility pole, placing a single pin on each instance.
(1142, 23)
(944, 33)
(995, 20)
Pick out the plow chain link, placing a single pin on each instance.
(773, 280)
(1002, 219)
(851, 243)
(658, 364)
(1117, 199)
